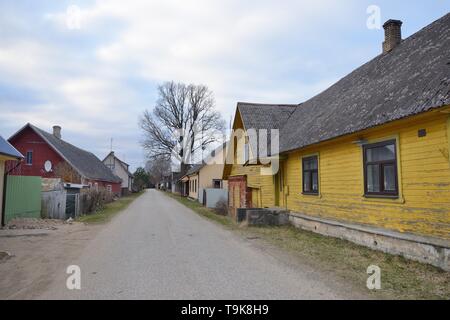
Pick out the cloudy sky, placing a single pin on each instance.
(93, 66)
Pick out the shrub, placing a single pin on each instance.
(94, 200)
(222, 207)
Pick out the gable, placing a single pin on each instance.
(29, 140)
(84, 162)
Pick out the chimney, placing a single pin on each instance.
(392, 34)
(57, 131)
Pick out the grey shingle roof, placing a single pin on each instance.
(194, 169)
(265, 116)
(8, 150)
(86, 163)
(413, 78)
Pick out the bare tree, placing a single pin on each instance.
(183, 121)
(157, 169)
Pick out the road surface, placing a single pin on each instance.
(159, 249)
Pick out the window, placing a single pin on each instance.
(217, 183)
(246, 152)
(29, 158)
(310, 175)
(109, 188)
(195, 185)
(380, 169)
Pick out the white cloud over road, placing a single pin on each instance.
(96, 80)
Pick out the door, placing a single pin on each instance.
(71, 205)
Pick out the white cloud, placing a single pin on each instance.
(228, 45)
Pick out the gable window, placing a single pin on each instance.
(380, 169)
(29, 158)
(217, 183)
(310, 167)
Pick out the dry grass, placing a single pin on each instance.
(400, 278)
(109, 210)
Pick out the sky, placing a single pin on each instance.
(93, 67)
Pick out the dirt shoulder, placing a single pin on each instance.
(400, 278)
(33, 251)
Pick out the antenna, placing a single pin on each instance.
(111, 145)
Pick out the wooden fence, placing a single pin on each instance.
(54, 204)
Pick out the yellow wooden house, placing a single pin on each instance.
(370, 154)
(248, 186)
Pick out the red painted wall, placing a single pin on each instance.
(116, 187)
(28, 140)
(245, 194)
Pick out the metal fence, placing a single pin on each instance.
(23, 197)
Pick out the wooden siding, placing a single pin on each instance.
(264, 184)
(423, 205)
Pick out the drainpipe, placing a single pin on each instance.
(5, 180)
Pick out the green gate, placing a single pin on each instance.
(23, 197)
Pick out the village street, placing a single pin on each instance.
(158, 249)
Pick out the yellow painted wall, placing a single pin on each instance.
(193, 187)
(213, 170)
(423, 206)
(264, 184)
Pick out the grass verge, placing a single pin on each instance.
(400, 278)
(110, 210)
(206, 212)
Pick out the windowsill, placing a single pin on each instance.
(383, 198)
(310, 193)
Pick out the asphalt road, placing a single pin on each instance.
(159, 249)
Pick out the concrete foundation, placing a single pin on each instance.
(423, 249)
(267, 216)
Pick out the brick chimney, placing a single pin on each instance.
(392, 34)
(57, 131)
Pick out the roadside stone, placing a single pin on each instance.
(34, 224)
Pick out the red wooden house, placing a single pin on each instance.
(48, 156)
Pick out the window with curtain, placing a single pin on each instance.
(380, 169)
(310, 169)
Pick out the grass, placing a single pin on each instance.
(206, 212)
(109, 211)
(400, 278)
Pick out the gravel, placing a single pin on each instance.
(159, 249)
